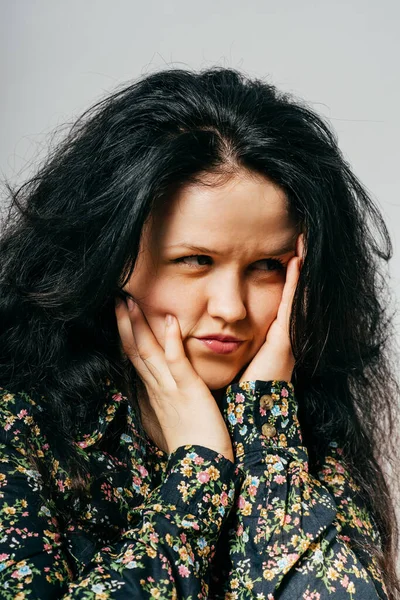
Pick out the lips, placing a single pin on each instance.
(220, 347)
(221, 338)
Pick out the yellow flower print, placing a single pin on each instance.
(246, 510)
(9, 510)
(282, 440)
(268, 574)
(213, 473)
(239, 449)
(245, 385)
(239, 411)
(186, 470)
(183, 554)
(332, 574)
(151, 552)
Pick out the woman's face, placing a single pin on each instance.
(210, 257)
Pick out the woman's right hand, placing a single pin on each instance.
(184, 407)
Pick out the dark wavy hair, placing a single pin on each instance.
(71, 237)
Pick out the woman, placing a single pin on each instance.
(142, 457)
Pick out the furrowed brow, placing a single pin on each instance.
(289, 247)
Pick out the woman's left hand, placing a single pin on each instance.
(275, 360)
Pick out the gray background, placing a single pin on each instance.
(342, 56)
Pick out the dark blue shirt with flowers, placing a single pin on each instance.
(188, 525)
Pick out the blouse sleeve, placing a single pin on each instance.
(166, 553)
(285, 537)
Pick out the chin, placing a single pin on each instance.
(221, 379)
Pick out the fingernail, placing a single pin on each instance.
(168, 319)
(117, 301)
(131, 304)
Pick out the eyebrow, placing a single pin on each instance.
(289, 247)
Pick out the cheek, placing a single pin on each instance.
(162, 296)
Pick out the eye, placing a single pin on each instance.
(190, 261)
(201, 260)
(272, 264)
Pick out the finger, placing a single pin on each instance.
(128, 340)
(147, 345)
(179, 365)
(292, 277)
(300, 248)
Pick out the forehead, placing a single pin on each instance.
(243, 210)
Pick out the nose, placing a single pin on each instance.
(226, 299)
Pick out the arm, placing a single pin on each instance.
(167, 551)
(285, 536)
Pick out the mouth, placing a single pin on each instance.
(220, 347)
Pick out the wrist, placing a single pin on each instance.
(261, 414)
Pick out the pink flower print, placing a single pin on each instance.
(198, 460)
(279, 479)
(143, 471)
(117, 397)
(240, 530)
(203, 477)
(345, 581)
(312, 596)
(241, 502)
(4, 556)
(284, 393)
(252, 490)
(358, 522)
(339, 468)
(239, 398)
(183, 571)
(183, 538)
(224, 498)
(288, 518)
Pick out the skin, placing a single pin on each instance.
(235, 292)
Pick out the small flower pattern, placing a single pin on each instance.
(187, 525)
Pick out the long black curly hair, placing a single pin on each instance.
(71, 237)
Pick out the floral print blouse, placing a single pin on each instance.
(190, 524)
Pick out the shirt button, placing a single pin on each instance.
(268, 430)
(266, 401)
